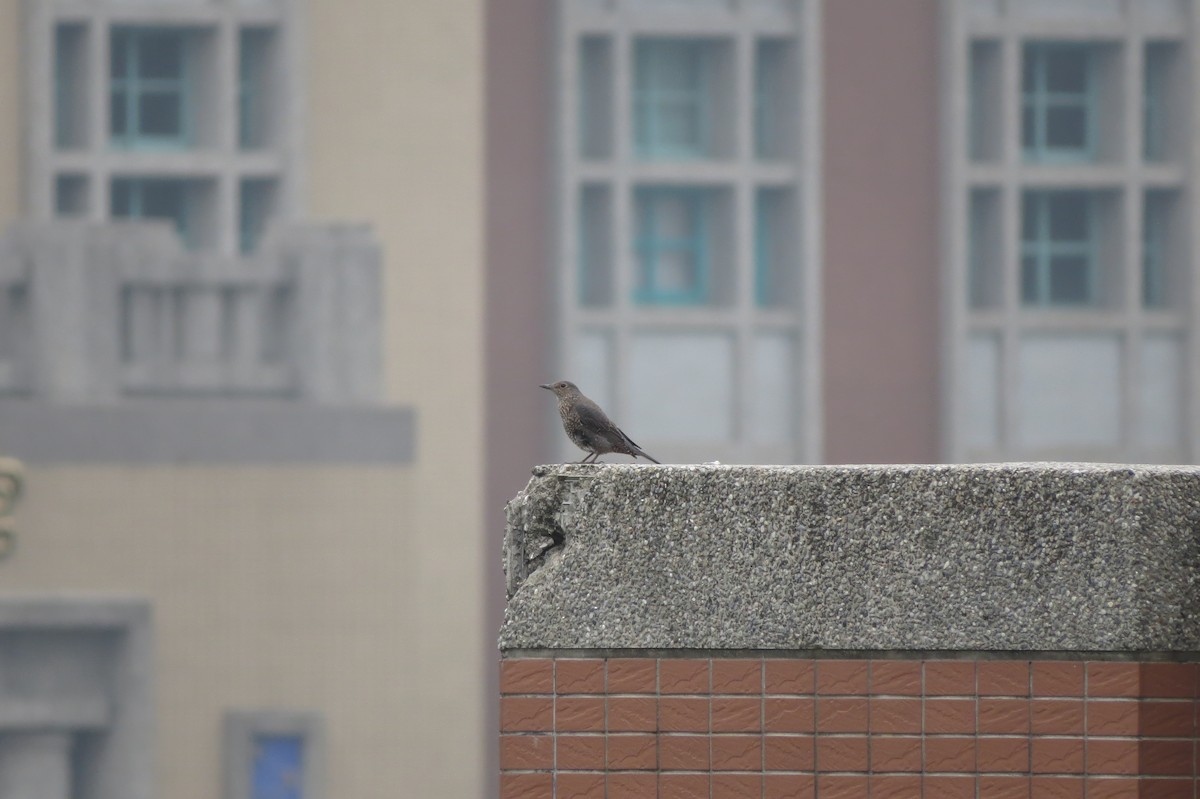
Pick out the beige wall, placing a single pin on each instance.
(272, 587)
(395, 137)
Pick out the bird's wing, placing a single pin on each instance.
(593, 418)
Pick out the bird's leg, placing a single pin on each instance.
(587, 457)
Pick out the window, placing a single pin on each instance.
(149, 91)
(672, 99)
(773, 107)
(278, 768)
(70, 76)
(253, 44)
(1058, 95)
(672, 246)
(774, 260)
(1155, 209)
(1154, 103)
(1058, 249)
(256, 201)
(154, 198)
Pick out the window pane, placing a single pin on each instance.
(1029, 137)
(671, 243)
(1069, 279)
(278, 767)
(116, 113)
(122, 198)
(1029, 280)
(1066, 69)
(1029, 70)
(675, 272)
(1031, 205)
(671, 102)
(1069, 217)
(160, 114)
(160, 55)
(118, 48)
(1066, 127)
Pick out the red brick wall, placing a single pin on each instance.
(608, 728)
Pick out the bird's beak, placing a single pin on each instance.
(545, 386)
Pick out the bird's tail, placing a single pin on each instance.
(638, 451)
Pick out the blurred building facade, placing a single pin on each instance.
(240, 244)
(845, 231)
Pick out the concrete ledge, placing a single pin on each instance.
(221, 431)
(1013, 557)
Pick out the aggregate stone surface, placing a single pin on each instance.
(1016, 557)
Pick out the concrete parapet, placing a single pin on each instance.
(982, 558)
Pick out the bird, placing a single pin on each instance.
(588, 427)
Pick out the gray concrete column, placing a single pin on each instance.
(35, 765)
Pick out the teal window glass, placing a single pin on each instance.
(255, 199)
(70, 195)
(149, 95)
(278, 767)
(253, 46)
(770, 63)
(1154, 103)
(1154, 249)
(154, 198)
(774, 259)
(1058, 248)
(672, 98)
(1058, 102)
(673, 247)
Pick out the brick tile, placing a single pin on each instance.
(842, 714)
(1166, 758)
(526, 752)
(1165, 789)
(580, 752)
(632, 714)
(517, 785)
(788, 752)
(1166, 719)
(842, 677)
(737, 752)
(1111, 788)
(579, 786)
(735, 714)
(789, 676)
(1105, 756)
(1058, 787)
(579, 676)
(632, 676)
(579, 714)
(788, 715)
(683, 752)
(1113, 679)
(1056, 716)
(737, 676)
(1003, 678)
(1057, 678)
(683, 786)
(1003, 754)
(527, 676)
(789, 786)
(1115, 717)
(1003, 716)
(526, 714)
(954, 716)
(682, 676)
(736, 786)
(632, 752)
(943, 787)
(895, 715)
(950, 678)
(895, 786)
(842, 754)
(949, 754)
(998, 787)
(1168, 680)
(896, 677)
(1056, 755)
(683, 714)
(631, 784)
(890, 753)
(836, 786)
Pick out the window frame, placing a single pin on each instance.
(1044, 249)
(1041, 100)
(243, 727)
(132, 86)
(648, 98)
(649, 246)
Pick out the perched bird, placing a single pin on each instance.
(588, 427)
